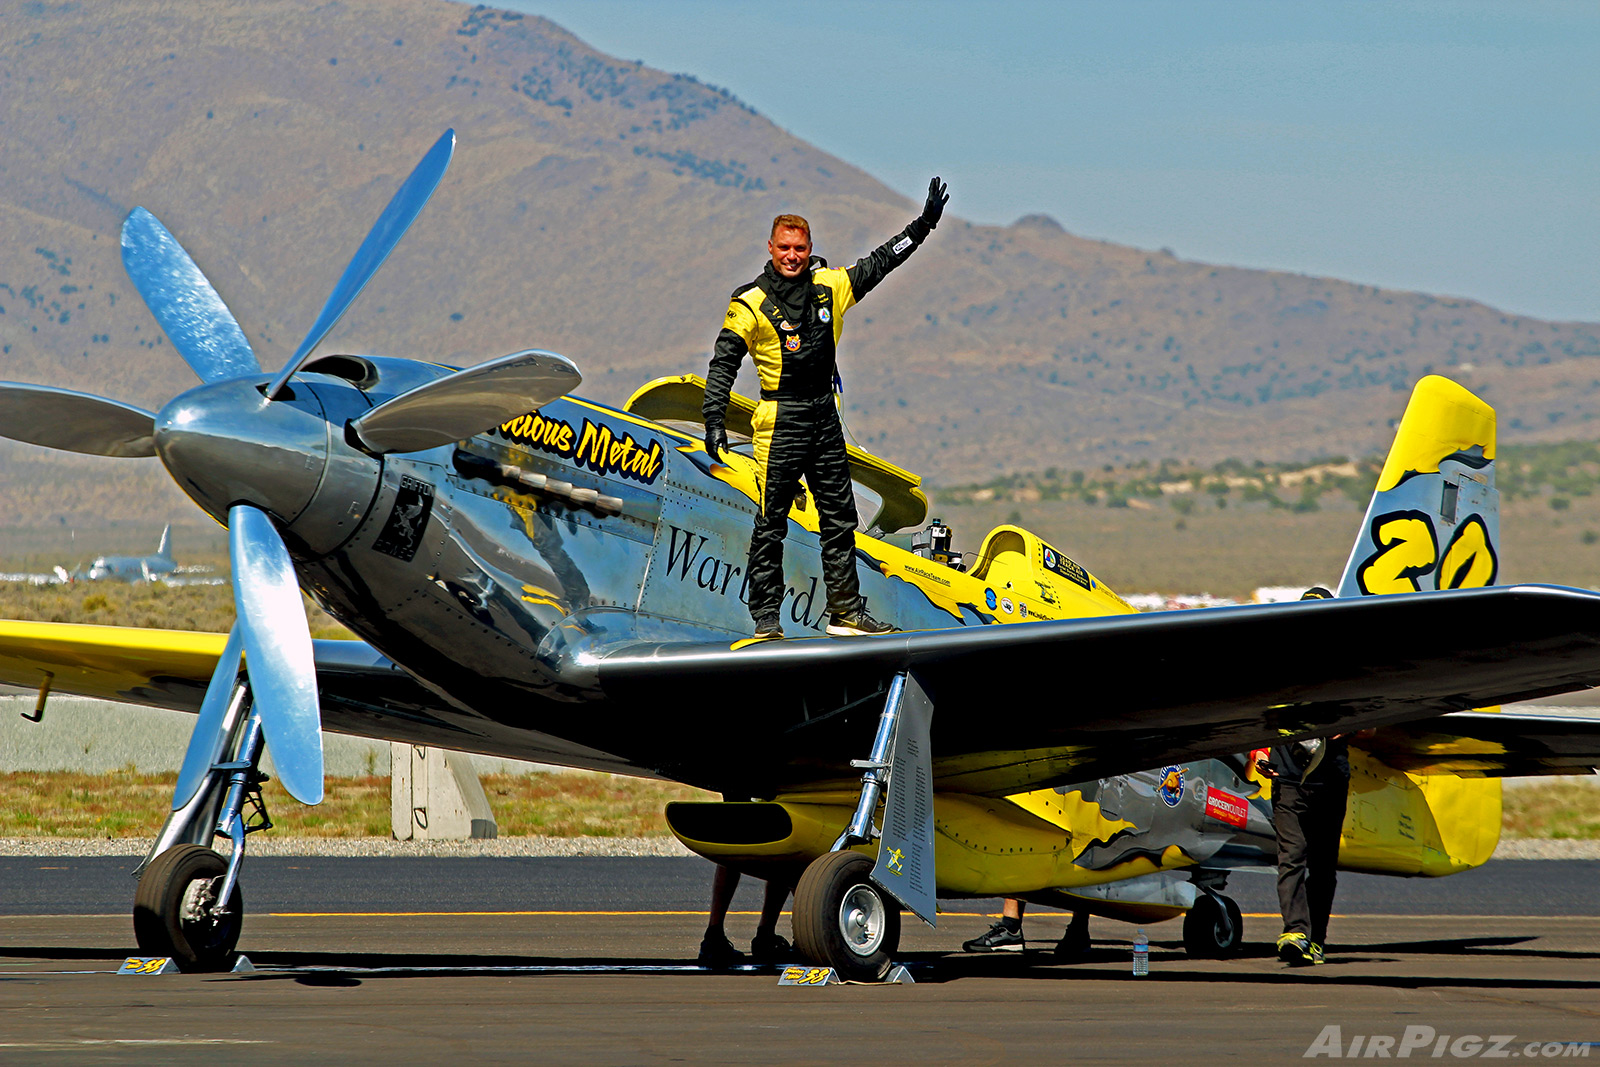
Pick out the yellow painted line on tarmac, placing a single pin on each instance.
(471, 914)
(555, 914)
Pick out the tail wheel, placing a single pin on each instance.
(1214, 928)
(172, 913)
(842, 920)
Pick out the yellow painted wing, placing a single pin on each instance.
(162, 668)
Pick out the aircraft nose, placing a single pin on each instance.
(225, 444)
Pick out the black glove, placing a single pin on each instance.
(716, 441)
(938, 196)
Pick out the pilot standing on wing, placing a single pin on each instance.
(789, 320)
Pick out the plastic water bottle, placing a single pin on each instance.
(1141, 954)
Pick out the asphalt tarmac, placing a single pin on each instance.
(591, 961)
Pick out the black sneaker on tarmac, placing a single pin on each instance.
(858, 624)
(1000, 938)
(1295, 950)
(718, 953)
(768, 628)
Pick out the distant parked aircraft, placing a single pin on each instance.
(134, 568)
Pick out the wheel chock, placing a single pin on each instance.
(148, 965)
(809, 976)
(242, 965)
(898, 975)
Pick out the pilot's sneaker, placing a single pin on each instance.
(1000, 938)
(768, 627)
(1315, 951)
(770, 948)
(718, 953)
(1295, 950)
(858, 623)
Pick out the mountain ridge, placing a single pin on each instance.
(604, 209)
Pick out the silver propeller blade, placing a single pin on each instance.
(385, 234)
(467, 402)
(76, 422)
(183, 301)
(205, 743)
(277, 648)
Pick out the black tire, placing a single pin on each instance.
(1213, 929)
(842, 920)
(165, 922)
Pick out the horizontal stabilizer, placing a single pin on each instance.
(467, 402)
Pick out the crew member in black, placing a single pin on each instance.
(789, 320)
(1310, 784)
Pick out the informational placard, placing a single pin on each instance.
(809, 976)
(148, 965)
(905, 852)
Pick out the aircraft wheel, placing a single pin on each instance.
(170, 917)
(1214, 928)
(842, 920)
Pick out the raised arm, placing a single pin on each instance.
(866, 272)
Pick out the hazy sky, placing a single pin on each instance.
(1447, 147)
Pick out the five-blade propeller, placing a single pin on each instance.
(277, 647)
(384, 235)
(75, 422)
(271, 642)
(188, 309)
(210, 733)
(466, 402)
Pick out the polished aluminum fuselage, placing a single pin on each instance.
(498, 597)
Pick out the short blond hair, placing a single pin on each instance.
(790, 222)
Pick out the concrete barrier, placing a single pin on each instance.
(434, 795)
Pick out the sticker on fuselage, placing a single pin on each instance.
(1056, 563)
(1171, 788)
(407, 519)
(1225, 807)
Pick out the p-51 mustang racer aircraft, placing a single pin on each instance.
(545, 578)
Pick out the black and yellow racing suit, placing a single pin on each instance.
(790, 328)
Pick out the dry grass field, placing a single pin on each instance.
(1233, 550)
(578, 803)
(128, 804)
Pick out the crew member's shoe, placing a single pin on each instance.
(858, 623)
(718, 953)
(1000, 938)
(768, 627)
(1316, 953)
(770, 948)
(1295, 950)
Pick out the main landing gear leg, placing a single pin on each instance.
(188, 905)
(844, 916)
